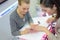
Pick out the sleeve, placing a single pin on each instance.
(57, 25)
(14, 30)
(29, 18)
(52, 37)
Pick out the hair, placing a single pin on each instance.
(50, 4)
(25, 1)
(57, 3)
(47, 3)
(41, 1)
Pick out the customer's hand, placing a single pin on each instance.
(26, 31)
(34, 25)
(37, 27)
(40, 28)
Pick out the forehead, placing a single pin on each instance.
(47, 8)
(24, 4)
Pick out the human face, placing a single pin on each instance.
(23, 8)
(50, 11)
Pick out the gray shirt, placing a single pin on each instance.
(17, 23)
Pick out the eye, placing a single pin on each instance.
(24, 8)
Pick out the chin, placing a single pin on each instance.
(23, 14)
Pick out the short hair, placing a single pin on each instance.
(26, 1)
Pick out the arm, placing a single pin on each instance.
(29, 18)
(57, 25)
(44, 29)
(14, 30)
(50, 35)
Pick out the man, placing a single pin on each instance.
(20, 17)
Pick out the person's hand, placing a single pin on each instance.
(49, 20)
(33, 31)
(34, 25)
(26, 31)
(32, 28)
(40, 28)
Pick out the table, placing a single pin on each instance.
(34, 36)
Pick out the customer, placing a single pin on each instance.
(19, 17)
(53, 3)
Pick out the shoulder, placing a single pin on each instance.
(13, 14)
(59, 19)
(58, 22)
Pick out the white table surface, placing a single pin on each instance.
(32, 36)
(38, 35)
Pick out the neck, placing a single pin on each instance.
(19, 13)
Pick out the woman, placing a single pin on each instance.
(53, 6)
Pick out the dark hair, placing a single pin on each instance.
(26, 1)
(57, 3)
(41, 1)
(48, 3)
(51, 3)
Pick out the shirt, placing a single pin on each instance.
(16, 22)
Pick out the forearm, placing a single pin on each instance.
(24, 32)
(50, 35)
(16, 33)
(47, 32)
